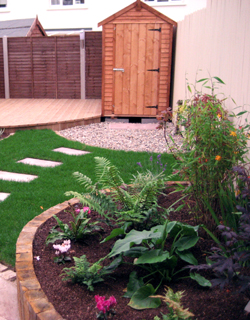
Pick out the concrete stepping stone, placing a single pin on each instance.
(39, 162)
(73, 152)
(19, 177)
(3, 196)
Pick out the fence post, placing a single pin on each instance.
(82, 63)
(6, 68)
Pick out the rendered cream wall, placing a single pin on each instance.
(88, 15)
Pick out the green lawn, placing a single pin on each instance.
(26, 199)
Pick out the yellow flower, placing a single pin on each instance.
(233, 133)
(237, 192)
(219, 115)
(218, 158)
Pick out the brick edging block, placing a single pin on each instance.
(32, 301)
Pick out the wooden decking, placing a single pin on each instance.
(55, 114)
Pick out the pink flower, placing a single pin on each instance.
(105, 305)
(111, 303)
(77, 210)
(86, 209)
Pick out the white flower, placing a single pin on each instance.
(37, 258)
(64, 247)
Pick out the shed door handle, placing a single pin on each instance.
(118, 69)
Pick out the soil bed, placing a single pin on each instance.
(75, 302)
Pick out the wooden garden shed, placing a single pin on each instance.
(137, 57)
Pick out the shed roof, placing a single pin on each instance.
(138, 5)
(20, 27)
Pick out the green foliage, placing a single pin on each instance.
(137, 202)
(142, 298)
(176, 311)
(84, 273)
(213, 145)
(150, 251)
(81, 227)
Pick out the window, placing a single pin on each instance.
(66, 2)
(3, 3)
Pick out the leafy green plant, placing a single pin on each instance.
(213, 144)
(84, 272)
(135, 203)
(80, 226)
(150, 252)
(173, 301)
(89, 274)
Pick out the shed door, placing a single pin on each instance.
(136, 69)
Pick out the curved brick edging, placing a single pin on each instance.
(32, 301)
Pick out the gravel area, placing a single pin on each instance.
(101, 135)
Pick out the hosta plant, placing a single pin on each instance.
(150, 252)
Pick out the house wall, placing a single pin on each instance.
(215, 41)
(87, 16)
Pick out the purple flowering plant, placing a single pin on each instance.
(155, 165)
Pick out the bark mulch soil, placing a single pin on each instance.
(75, 302)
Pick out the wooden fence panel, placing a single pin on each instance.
(44, 76)
(68, 68)
(2, 90)
(49, 67)
(20, 67)
(93, 47)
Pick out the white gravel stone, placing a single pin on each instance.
(101, 135)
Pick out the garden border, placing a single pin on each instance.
(32, 301)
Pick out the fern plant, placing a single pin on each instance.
(89, 274)
(135, 203)
(84, 273)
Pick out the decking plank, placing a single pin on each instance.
(18, 114)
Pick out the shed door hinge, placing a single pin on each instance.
(156, 107)
(155, 29)
(157, 70)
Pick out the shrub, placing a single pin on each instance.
(213, 145)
